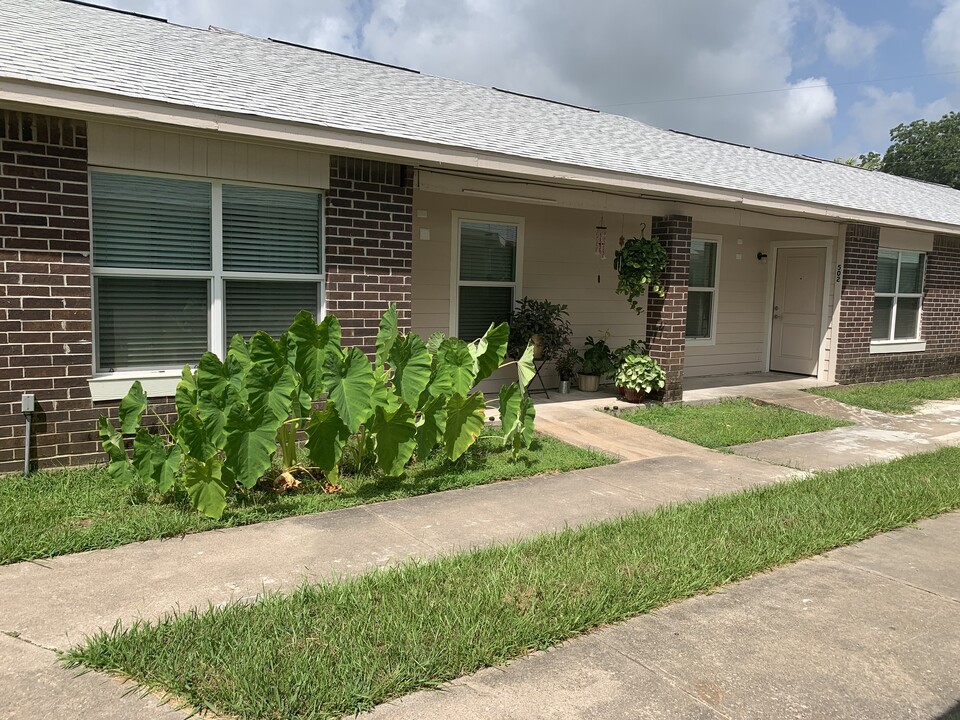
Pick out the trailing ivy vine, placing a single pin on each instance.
(235, 417)
(640, 264)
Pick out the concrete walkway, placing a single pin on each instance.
(52, 604)
(869, 631)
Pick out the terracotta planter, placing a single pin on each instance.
(589, 383)
(632, 396)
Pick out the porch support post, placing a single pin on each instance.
(855, 326)
(667, 316)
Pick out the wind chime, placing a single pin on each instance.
(600, 247)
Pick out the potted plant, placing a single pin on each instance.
(639, 375)
(640, 264)
(597, 361)
(567, 363)
(634, 347)
(541, 322)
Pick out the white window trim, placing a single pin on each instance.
(456, 282)
(891, 344)
(114, 385)
(715, 290)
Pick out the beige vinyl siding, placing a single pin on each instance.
(558, 265)
(137, 148)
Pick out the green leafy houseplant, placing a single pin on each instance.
(639, 375)
(235, 416)
(640, 264)
(541, 322)
(597, 361)
(568, 362)
(634, 347)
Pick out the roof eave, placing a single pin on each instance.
(83, 103)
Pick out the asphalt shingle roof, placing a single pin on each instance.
(69, 45)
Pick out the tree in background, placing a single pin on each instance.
(925, 150)
(870, 161)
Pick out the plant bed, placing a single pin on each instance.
(53, 513)
(336, 649)
(899, 398)
(728, 422)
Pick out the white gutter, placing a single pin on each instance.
(84, 104)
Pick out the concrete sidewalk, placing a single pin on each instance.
(868, 631)
(50, 605)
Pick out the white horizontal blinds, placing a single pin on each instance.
(898, 294)
(271, 230)
(145, 322)
(481, 305)
(150, 222)
(267, 305)
(488, 251)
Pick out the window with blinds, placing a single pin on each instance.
(487, 278)
(702, 289)
(897, 295)
(181, 265)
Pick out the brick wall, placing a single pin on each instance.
(940, 311)
(369, 225)
(45, 317)
(667, 316)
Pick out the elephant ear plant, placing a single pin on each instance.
(238, 416)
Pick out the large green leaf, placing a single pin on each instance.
(119, 468)
(517, 414)
(456, 368)
(251, 442)
(186, 397)
(268, 353)
(387, 335)
(490, 350)
(155, 461)
(212, 374)
(131, 409)
(464, 422)
(396, 435)
(239, 352)
(271, 392)
(206, 486)
(525, 368)
(312, 342)
(350, 384)
(213, 407)
(435, 341)
(431, 425)
(411, 363)
(326, 437)
(195, 439)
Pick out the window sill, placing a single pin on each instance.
(897, 346)
(700, 342)
(115, 386)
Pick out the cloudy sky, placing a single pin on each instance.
(820, 77)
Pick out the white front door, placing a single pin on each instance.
(797, 310)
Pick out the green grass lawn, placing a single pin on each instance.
(58, 512)
(900, 397)
(337, 648)
(728, 422)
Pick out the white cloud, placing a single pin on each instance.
(879, 111)
(943, 40)
(847, 43)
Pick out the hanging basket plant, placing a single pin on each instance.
(640, 264)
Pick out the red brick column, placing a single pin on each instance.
(667, 316)
(856, 298)
(940, 323)
(369, 234)
(45, 314)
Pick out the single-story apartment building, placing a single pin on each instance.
(164, 187)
